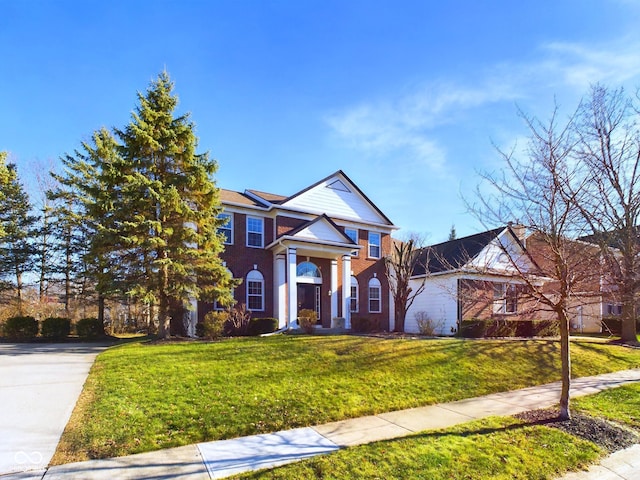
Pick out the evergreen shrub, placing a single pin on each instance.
(258, 326)
(56, 327)
(89, 328)
(21, 328)
(364, 325)
(508, 328)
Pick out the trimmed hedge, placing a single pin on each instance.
(56, 327)
(21, 328)
(89, 328)
(509, 328)
(364, 325)
(258, 326)
(612, 324)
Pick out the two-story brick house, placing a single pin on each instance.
(322, 249)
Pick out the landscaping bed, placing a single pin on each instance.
(608, 435)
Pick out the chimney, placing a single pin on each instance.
(519, 230)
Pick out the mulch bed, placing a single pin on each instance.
(606, 434)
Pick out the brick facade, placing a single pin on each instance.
(325, 245)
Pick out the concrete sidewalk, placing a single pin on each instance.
(224, 458)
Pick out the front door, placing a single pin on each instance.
(309, 298)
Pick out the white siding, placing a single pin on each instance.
(439, 301)
(494, 258)
(321, 231)
(337, 200)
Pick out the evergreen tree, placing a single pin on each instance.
(83, 203)
(452, 233)
(171, 204)
(17, 226)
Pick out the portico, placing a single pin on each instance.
(309, 272)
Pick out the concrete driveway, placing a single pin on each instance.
(39, 387)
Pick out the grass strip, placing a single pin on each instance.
(493, 448)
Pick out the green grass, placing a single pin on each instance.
(142, 397)
(620, 405)
(494, 448)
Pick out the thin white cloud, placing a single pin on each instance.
(407, 123)
(582, 65)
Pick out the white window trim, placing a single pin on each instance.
(258, 278)
(229, 216)
(500, 302)
(374, 283)
(261, 220)
(355, 252)
(354, 298)
(379, 245)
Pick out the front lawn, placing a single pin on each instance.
(493, 448)
(142, 397)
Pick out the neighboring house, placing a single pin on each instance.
(593, 296)
(474, 277)
(320, 249)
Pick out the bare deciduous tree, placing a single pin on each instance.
(609, 152)
(400, 266)
(541, 190)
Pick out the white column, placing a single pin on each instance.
(293, 284)
(346, 290)
(281, 289)
(334, 288)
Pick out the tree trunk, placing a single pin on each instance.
(164, 318)
(565, 356)
(19, 289)
(628, 324)
(400, 314)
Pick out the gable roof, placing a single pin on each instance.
(454, 254)
(335, 195)
(321, 228)
(338, 191)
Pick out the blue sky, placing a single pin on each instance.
(407, 97)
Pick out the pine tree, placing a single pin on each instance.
(17, 225)
(169, 207)
(452, 233)
(86, 197)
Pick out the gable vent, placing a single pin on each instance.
(338, 185)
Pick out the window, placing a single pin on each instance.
(375, 296)
(308, 270)
(255, 232)
(614, 309)
(255, 291)
(354, 294)
(505, 298)
(374, 245)
(226, 227)
(352, 233)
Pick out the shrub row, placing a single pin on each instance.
(509, 328)
(365, 325)
(27, 328)
(613, 325)
(217, 324)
